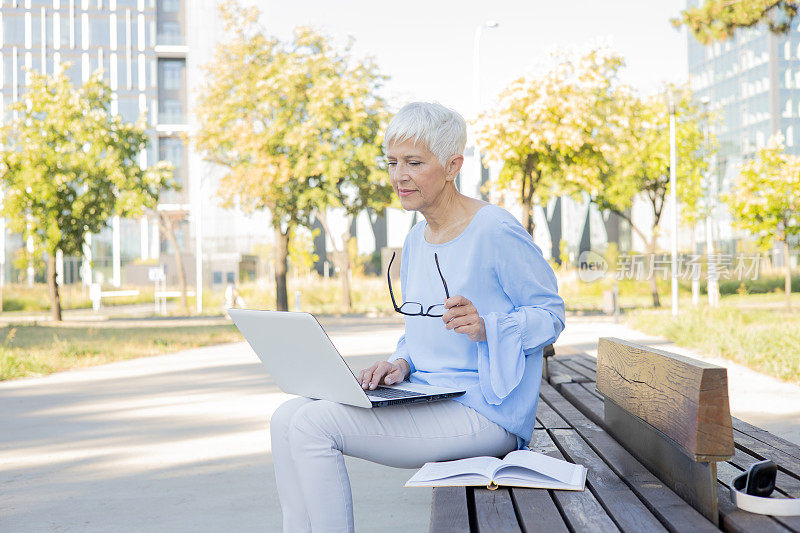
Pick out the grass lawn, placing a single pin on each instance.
(741, 329)
(34, 350)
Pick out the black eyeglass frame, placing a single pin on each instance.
(428, 312)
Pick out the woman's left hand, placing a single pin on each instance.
(462, 317)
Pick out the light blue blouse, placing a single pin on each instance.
(495, 264)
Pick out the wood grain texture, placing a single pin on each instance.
(677, 515)
(449, 510)
(494, 511)
(783, 445)
(618, 500)
(548, 418)
(581, 509)
(537, 511)
(587, 403)
(685, 399)
(558, 366)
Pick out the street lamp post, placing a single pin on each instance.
(476, 86)
(198, 250)
(673, 195)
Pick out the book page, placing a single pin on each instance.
(544, 465)
(484, 466)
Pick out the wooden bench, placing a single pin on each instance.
(625, 490)
(573, 374)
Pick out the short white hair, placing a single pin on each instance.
(442, 130)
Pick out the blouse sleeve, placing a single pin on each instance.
(537, 318)
(401, 351)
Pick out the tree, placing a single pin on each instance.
(766, 200)
(638, 164)
(167, 221)
(68, 164)
(548, 129)
(716, 20)
(297, 124)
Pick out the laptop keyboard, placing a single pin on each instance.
(388, 392)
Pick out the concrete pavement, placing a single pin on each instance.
(180, 442)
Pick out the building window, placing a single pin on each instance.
(788, 111)
(170, 6)
(170, 33)
(172, 152)
(790, 136)
(171, 75)
(170, 112)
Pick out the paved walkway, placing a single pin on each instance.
(180, 442)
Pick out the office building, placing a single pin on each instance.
(143, 49)
(752, 82)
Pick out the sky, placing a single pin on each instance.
(426, 47)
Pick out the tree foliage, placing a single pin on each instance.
(766, 201)
(716, 20)
(548, 129)
(638, 163)
(68, 165)
(297, 124)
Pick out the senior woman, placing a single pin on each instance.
(487, 338)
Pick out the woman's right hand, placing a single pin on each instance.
(384, 372)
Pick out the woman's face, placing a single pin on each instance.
(417, 176)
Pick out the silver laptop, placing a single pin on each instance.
(303, 361)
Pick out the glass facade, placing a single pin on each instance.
(752, 82)
(120, 38)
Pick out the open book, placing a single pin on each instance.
(520, 468)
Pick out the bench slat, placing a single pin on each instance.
(558, 367)
(587, 403)
(537, 511)
(549, 418)
(787, 463)
(591, 388)
(671, 510)
(581, 509)
(577, 366)
(618, 500)
(766, 437)
(449, 512)
(494, 511)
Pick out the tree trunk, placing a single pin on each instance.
(341, 259)
(344, 271)
(281, 255)
(55, 299)
(528, 186)
(166, 225)
(651, 251)
(788, 273)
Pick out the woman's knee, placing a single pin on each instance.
(281, 418)
(315, 419)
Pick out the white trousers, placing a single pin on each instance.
(310, 436)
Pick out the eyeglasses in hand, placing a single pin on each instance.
(415, 308)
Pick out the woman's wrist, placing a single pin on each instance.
(404, 367)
